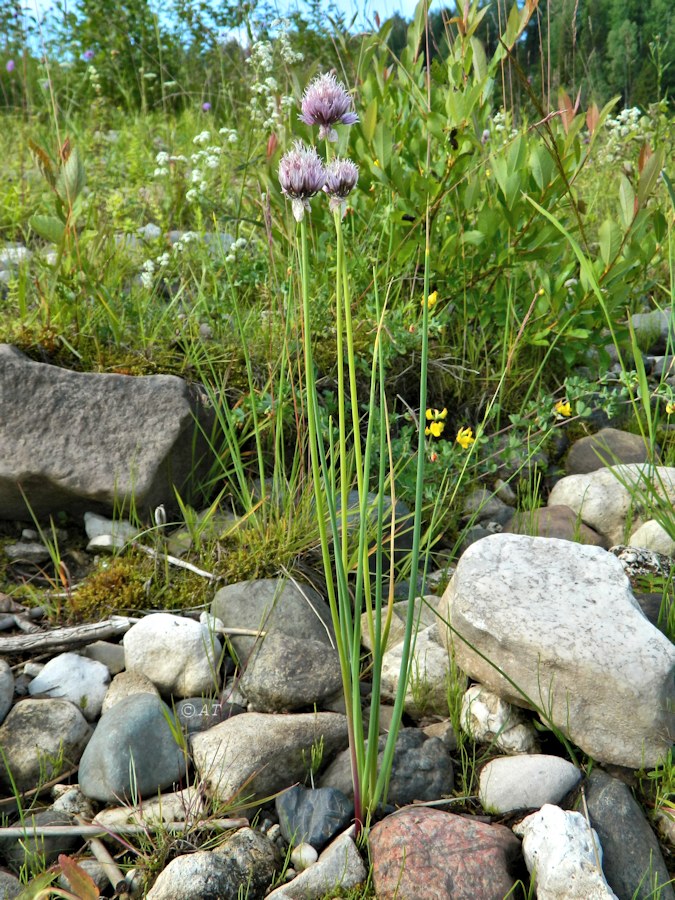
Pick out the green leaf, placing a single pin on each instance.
(48, 227)
(649, 175)
(610, 241)
(479, 58)
(627, 201)
(475, 238)
(541, 164)
(369, 120)
(382, 142)
(71, 178)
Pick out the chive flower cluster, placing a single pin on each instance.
(302, 174)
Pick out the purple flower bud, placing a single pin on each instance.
(10, 65)
(327, 103)
(88, 55)
(301, 176)
(206, 106)
(485, 136)
(341, 178)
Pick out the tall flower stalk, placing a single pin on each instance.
(326, 103)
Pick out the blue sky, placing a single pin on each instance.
(365, 9)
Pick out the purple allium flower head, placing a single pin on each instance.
(10, 65)
(327, 103)
(88, 55)
(301, 176)
(206, 106)
(341, 178)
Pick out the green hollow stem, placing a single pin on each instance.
(342, 425)
(409, 638)
(315, 448)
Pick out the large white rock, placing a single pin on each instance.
(553, 625)
(180, 656)
(69, 676)
(525, 782)
(604, 498)
(563, 855)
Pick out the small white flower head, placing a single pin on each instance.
(202, 138)
(326, 103)
(341, 178)
(301, 176)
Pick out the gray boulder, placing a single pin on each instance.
(560, 622)
(40, 739)
(633, 863)
(85, 441)
(6, 688)
(275, 605)
(132, 752)
(608, 447)
(256, 754)
(286, 673)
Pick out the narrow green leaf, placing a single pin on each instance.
(369, 120)
(479, 58)
(649, 175)
(627, 201)
(610, 241)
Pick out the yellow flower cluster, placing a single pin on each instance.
(435, 418)
(670, 408)
(465, 438)
(432, 300)
(563, 408)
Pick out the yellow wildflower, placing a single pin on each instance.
(670, 408)
(435, 429)
(563, 408)
(465, 438)
(432, 300)
(436, 424)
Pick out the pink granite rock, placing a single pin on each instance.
(423, 852)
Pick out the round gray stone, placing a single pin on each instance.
(132, 752)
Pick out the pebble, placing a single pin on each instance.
(339, 868)
(312, 815)
(525, 782)
(303, 856)
(489, 719)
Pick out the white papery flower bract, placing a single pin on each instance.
(301, 176)
(341, 178)
(326, 103)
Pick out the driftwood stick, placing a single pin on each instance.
(174, 561)
(112, 871)
(98, 831)
(71, 636)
